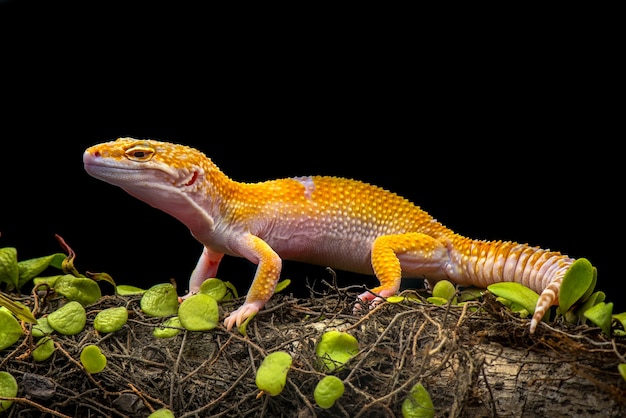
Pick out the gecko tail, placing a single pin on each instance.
(549, 296)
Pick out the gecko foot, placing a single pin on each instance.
(374, 297)
(181, 298)
(238, 316)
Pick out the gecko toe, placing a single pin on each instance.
(238, 316)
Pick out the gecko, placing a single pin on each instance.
(337, 222)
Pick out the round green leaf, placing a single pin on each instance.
(160, 300)
(110, 319)
(92, 359)
(577, 280)
(80, 289)
(444, 289)
(471, 293)
(69, 319)
(8, 389)
(271, 376)
(327, 391)
(437, 300)
(44, 349)
(418, 403)
(164, 331)
(42, 328)
(9, 272)
(199, 312)
(10, 331)
(213, 287)
(162, 413)
(335, 348)
(125, 290)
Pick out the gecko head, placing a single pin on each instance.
(150, 170)
(129, 159)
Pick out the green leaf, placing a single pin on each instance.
(80, 289)
(470, 293)
(327, 391)
(44, 349)
(271, 375)
(437, 300)
(29, 269)
(48, 280)
(164, 331)
(213, 287)
(8, 389)
(591, 301)
(243, 328)
(92, 359)
(10, 331)
(444, 289)
(9, 273)
(42, 328)
(621, 317)
(519, 309)
(233, 291)
(334, 349)
(69, 319)
(576, 282)
(199, 312)
(162, 413)
(110, 319)
(601, 315)
(418, 403)
(282, 285)
(517, 293)
(125, 290)
(160, 300)
(395, 299)
(17, 309)
(592, 286)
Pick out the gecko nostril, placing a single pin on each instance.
(96, 154)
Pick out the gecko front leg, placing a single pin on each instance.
(269, 266)
(206, 268)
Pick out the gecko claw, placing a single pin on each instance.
(238, 316)
(369, 299)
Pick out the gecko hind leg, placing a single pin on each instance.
(403, 255)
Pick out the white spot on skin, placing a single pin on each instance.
(308, 183)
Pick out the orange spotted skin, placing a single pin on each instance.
(337, 222)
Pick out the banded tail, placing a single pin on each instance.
(481, 263)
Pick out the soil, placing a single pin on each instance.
(475, 360)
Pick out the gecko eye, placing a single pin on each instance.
(140, 153)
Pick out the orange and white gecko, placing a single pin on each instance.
(337, 222)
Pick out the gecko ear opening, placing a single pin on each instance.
(193, 179)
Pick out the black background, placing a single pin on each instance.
(504, 128)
